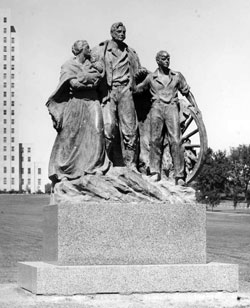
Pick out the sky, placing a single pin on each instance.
(208, 40)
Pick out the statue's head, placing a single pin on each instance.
(163, 59)
(81, 46)
(118, 32)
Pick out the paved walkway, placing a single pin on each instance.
(11, 296)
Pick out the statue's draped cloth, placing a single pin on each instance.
(79, 147)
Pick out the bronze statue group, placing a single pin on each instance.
(93, 111)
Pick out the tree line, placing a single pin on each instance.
(225, 176)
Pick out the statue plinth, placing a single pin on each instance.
(114, 247)
(112, 233)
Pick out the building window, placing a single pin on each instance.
(4, 30)
(12, 58)
(12, 149)
(12, 66)
(5, 57)
(5, 94)
(4, 130)
(5, 181)
(12, 169)
(29, 159)
(12, 139)
(22, 181)
(5, 66)
(12, 40)
(22, 170)
(12, 85)
(29, 171)
(12, 48)
(12, 121)
(29, 149)
(12, 103)
(13, 130)
(4, 157)
(39, 182)
(12, 94)
(4, 148)
(4, 48)
(12, 76)
(5, 103)
(12, 158)
(12, 112)
(5, 39)
(5, 19)
(39, 171)
(4, 121)
(29, 181)
(4, 76)
(12, 181)
(4, 139)
(4, 112)
(5, 84)
(4, 169)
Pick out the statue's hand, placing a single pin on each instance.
(143, 71)
(88, 79)
(141, 74)
(98, 66)
(195, 109)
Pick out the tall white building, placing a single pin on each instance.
(18, 170)
(9, 151)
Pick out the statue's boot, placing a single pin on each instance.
(129, 159)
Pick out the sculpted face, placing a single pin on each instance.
(164, 60)
(119, 34)
(86, 51)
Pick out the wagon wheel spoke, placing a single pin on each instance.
(190, 134)
(188, 146)
(189, 121)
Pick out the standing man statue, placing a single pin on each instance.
(121, 66)
(164, 85)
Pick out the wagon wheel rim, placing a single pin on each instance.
(194, 127)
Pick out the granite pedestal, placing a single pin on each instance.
(102, 247)
(114, 233)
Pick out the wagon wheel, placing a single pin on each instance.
(194, 140)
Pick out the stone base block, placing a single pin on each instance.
(115, 233)
(48, 279)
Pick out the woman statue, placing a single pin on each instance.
(79, 147)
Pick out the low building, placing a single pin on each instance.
(32, 174)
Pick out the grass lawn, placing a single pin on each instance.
(20, 232)
(228, 235)
(228, 239)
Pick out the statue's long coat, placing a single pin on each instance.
(79, 147)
